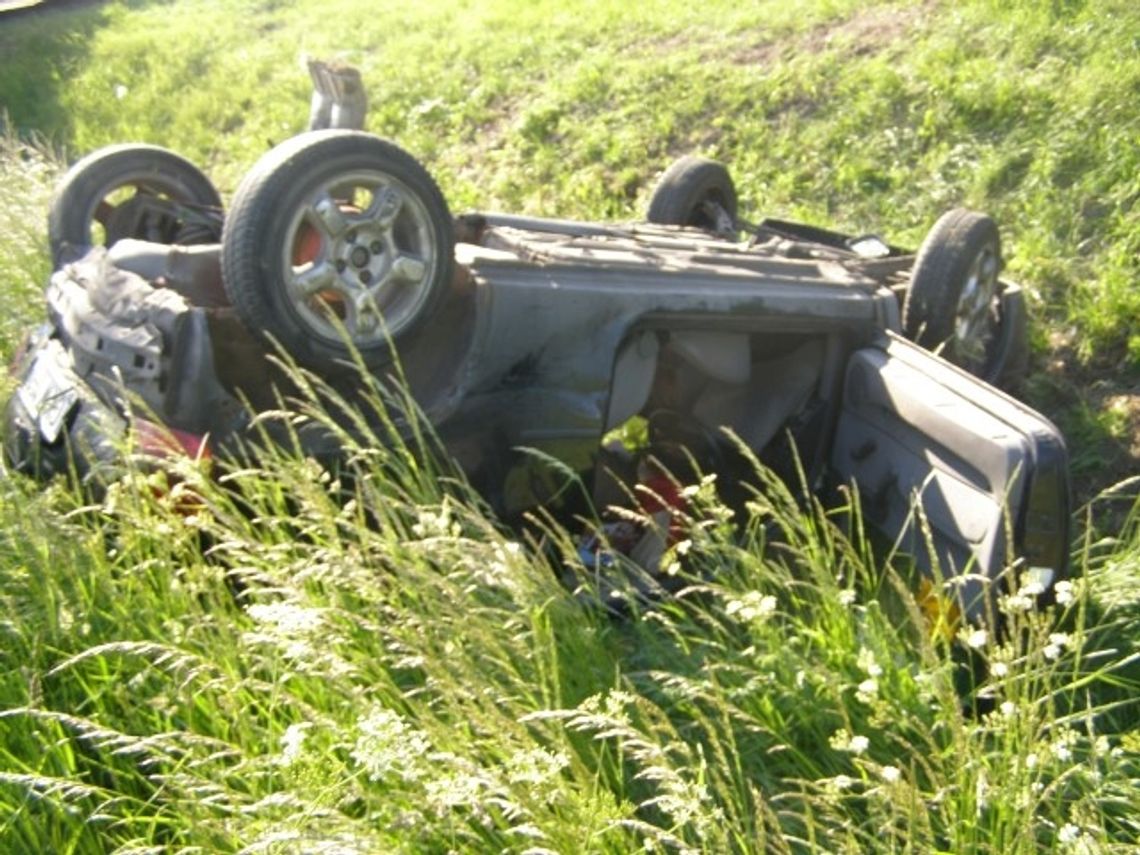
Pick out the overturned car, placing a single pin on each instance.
(726, 340)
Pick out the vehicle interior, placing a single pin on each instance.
(701, 397)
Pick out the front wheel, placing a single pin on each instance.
(952, 304)
(132, 191)
(337, 241)
(695, 191)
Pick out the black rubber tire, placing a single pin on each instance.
(152, 171)
(263, 225)
(947, 261)
(686, 188)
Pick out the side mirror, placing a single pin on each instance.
(338, 97)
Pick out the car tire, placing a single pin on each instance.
(337, 242)
(132, 191)
(695, 191)
(952, 302)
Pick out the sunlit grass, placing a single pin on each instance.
(364, 661)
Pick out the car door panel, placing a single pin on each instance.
(989, 474)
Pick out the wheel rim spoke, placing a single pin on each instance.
(409, 269)
(386, 205)
(363, 316)
(326, 214)
(317, 278)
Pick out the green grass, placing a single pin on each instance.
(399, 673)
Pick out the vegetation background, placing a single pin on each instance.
(422, 683)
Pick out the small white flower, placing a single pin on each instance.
(1008, 708)
(867, 690)
(121, 91)
(1063, 591)
(977, 639)
(751, 606)
(286, 618)
(867, 662)
(389, 745)
(999, 669)
(846, 597)
(1030, 761)
(293, 743)
(1020, 602)
(891, 774)
(858, 744)
(1068, 833)
(842, 782)
(1058, 641)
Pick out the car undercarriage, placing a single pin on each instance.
(523, 340)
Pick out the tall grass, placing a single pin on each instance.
(310, 662)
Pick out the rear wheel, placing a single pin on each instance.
(132, 191)
(695, 191)
(337, 241)
(952, 303)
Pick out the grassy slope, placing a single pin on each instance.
(141, 706)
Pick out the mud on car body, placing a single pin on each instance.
(518, 334)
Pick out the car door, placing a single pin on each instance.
(961, 476)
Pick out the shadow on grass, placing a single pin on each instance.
(40, 44)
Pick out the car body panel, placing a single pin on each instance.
(950, 468)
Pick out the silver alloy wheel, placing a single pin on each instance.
(974, 317)
(360, 254)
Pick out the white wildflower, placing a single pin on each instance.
(535, 766)
(120, 91)
(1058, 641)
(1008, 708)
(999, 669)
(457, 791)
(1064, 593)
(433, 522)
(891, 774)
(867, 690)
(751, 606)
(286, 618)
(1019, 602)
(842, 782)
(866, 661)
(610, 706)
(1031, 761)
(977, 639)
(1068, 833)
(846, 597)
(842, 740)
(388, 745)
(293, 743)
